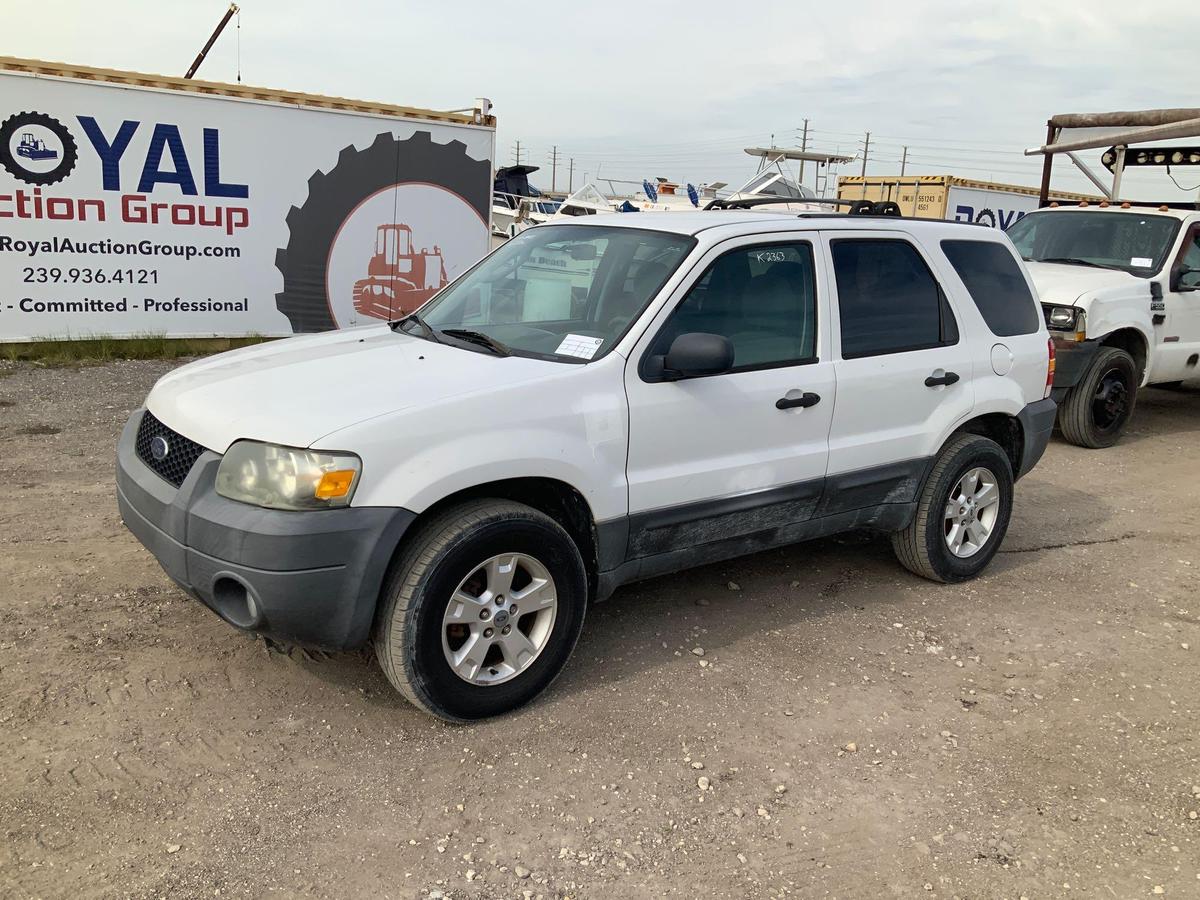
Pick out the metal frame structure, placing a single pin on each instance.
(1122, 130)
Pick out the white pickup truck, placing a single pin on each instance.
(1120, 290)
(591, 404)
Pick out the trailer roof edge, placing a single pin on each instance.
(241, 91)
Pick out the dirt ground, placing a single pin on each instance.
(861, 733)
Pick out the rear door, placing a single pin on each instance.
(745, 451)
(904, 372)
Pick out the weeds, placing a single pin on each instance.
(100, 349)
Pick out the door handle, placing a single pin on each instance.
(805, 400)
(935, 380)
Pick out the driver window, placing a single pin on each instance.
(1191, 261)
(763, 298)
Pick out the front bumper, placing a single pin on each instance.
(1037, 423)
(1071, 360)
(308, 577)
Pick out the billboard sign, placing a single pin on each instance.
(128, 211)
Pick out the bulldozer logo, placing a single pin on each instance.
(382, 232)
(37, 148)
(399, 277)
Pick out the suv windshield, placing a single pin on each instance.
(1134, 243)
(561, 292)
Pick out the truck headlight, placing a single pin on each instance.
(1065, 318)
(1061, 317)
(287, 477)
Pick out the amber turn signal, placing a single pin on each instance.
(335, 484)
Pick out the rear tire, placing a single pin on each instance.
(925, 546)
(456, 555)
(1097, 410)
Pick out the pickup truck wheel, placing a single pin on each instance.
(481, 610)
(1096, 411)
(962, 514)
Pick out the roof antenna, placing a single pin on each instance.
(229, 13)
(239, 46)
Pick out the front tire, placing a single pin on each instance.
(1096, 411)
(963, 512)
(481, 610)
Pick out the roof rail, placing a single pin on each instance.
(856, 207)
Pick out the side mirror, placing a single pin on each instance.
(696, 354)
(1185, 278)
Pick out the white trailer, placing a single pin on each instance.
(141, 204)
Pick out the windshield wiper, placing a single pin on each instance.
(426, 328)
(478, 337)
(1078, 262)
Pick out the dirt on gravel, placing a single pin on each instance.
(808, 722)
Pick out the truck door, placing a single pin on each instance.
(905, 374)
(742, 452)
(1182, 302)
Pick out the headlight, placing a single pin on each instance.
(1061, 317)
(286, 477)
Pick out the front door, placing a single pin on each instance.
(743, 452)
(1178, 336)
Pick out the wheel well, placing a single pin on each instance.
(557, 499)
(1005, 430)
(1132, 342)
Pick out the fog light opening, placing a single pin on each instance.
(235, 603)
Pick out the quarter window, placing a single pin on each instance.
(888, 300)
(763, 298)
(996, 284)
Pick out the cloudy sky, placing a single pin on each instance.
(631, 90)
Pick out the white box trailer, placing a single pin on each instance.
(139, 204)
(950, 197)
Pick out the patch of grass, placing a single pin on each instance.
(100, 349)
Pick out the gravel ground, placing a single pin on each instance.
(808, 722)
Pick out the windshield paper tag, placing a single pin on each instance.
(579, 345)
(1141, 262)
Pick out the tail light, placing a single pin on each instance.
(1050, 364)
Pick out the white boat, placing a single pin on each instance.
(773, 180)
(514, 198)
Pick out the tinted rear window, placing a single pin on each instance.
(996, 284)
(888, 300)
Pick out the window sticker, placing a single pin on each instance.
(1144, 262)
(579, 345)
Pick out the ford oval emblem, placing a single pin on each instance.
(159, 448)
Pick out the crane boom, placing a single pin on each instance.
(229, 14)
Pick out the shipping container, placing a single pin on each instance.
(949, 197)
(136, 204)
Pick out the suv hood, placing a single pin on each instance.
(297, 390)
(1064, 284)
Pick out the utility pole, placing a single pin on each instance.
(554, 169)
(803, 146)
(903, 162)
(571, 176)
(866, 150)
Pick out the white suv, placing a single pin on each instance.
(589, 405)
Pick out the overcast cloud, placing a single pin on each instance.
(676, 89)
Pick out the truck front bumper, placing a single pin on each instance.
(1071, 360)
(311, 578)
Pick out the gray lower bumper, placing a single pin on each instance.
(1037, 423)
(309, 577)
